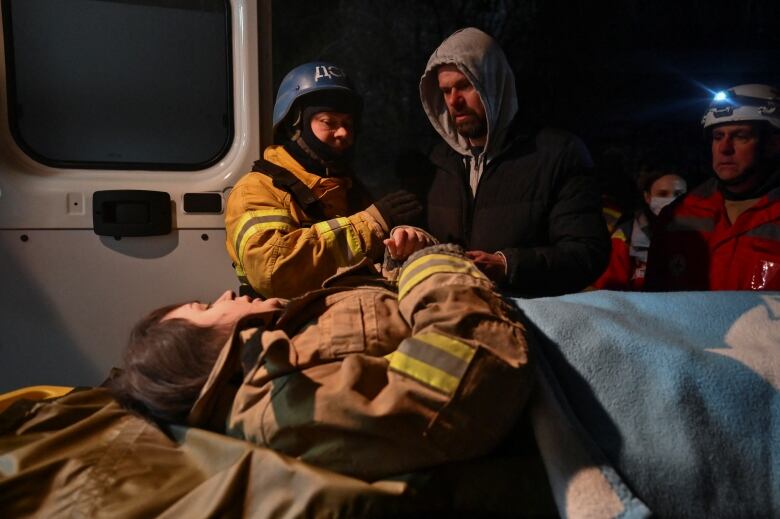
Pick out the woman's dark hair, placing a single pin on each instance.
(648, 174)
(166, 364)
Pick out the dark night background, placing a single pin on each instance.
(630, 77)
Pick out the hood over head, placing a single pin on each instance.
(479, 57)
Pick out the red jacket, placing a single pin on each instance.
(628, 259)
(695, 247)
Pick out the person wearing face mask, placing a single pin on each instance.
(725, 234)
(631, 239)
(300, 215)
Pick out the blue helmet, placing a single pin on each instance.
(317, 76)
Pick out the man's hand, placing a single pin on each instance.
(406, 240)
(493, 265)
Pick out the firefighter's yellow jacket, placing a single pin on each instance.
(368, 381)
(282, 252)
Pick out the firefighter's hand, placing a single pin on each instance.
(493, 265)
(406, 240)
(399, 208)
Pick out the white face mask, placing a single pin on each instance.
(659, 202)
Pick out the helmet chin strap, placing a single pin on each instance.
(298, 139)
(333, 168)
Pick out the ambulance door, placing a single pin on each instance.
(123, 126)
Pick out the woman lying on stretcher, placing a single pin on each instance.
(365, 377)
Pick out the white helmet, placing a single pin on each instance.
(744, 103)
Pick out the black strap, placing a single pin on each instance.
(286, 181)
(245, 289)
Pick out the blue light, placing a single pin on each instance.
(720, 96)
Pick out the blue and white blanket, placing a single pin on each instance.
(659, 403)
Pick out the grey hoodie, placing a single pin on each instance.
(480, 58)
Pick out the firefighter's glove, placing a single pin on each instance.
(399, 208)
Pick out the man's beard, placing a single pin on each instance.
(471, 128)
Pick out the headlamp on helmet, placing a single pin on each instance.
(744, 103)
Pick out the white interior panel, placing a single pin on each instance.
(69, 298)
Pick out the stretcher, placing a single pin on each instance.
(81, 455)
(646, 404)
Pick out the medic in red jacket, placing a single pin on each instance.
(659, 185)
(725, 234)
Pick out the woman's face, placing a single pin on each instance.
(225, 311)
(663, 191)
(668, 186)
(335, 129)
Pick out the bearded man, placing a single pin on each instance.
(520, 199)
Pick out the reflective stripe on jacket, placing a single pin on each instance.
(617, 276)
(628, 259)
(279, 250)
(696, 247)
(355, 381)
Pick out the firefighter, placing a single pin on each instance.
(299, 216)
(362, 377)
(725, 234)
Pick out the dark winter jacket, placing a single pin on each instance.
(536, 203)
(527, 193)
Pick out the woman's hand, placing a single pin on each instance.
(406, 240)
